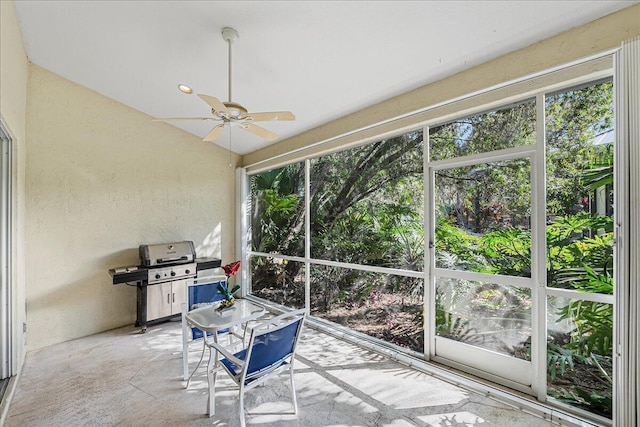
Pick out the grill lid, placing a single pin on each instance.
(167, 253)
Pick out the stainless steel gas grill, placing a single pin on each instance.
(161, 279)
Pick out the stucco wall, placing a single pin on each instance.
(13, 102)
(102, 178)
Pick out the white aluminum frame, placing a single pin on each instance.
(429, 298)
(243, 231)
(539, 257)
(515, 373)
(6, 294)
(307, 233)
(537, 282)
(307, 260)
(626, 365)
(545, 291)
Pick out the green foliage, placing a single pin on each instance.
(485, 197)
(508, 251)
(333, 285)
(600, 168)
(366, 194)
(277, 210)
(450, 326)
(576, 260)
(367, 209)
(593, 329)
(455, 247)
(505, 251)
(558, 358)
(593, 400)
(580, 254)
(574, 119)
(357, 237)
(485, 132)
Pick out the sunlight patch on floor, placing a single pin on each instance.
(402, 388)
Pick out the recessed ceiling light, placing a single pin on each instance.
(185, 89)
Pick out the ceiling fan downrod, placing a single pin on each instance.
(229, 35)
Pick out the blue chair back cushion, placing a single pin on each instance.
(269, 351)
(201, 294)
(271, 348)
(206, 292)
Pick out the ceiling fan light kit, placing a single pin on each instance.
(232, 114)
(185, 89)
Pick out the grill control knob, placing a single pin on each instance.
(187, 272)
(173, 273)
(158, 276)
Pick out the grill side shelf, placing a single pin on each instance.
(128, 276)
(207, 263)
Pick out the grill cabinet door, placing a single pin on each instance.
(178, 295)
(159, 301)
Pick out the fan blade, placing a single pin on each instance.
(214, 103)
(215, 133)
(172, 119)
(273, 115)
(260, 131)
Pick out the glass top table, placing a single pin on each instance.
(210, 319)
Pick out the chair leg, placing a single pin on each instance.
(185, 346)
(212, 372)
(204, 347)
(230, 333)
(242, 422)
(293, 392)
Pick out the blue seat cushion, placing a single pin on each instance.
(235, 369)
(232, 367)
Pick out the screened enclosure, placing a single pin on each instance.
(484, 242)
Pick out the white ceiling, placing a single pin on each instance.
(319, 59)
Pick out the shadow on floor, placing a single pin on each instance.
(125, 378)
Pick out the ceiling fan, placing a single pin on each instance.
(231, 113)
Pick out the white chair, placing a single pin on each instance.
(270, 351)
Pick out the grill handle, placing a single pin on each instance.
(167, 260)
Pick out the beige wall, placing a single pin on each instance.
(102, 178)
(590, 39)
(13, 102)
